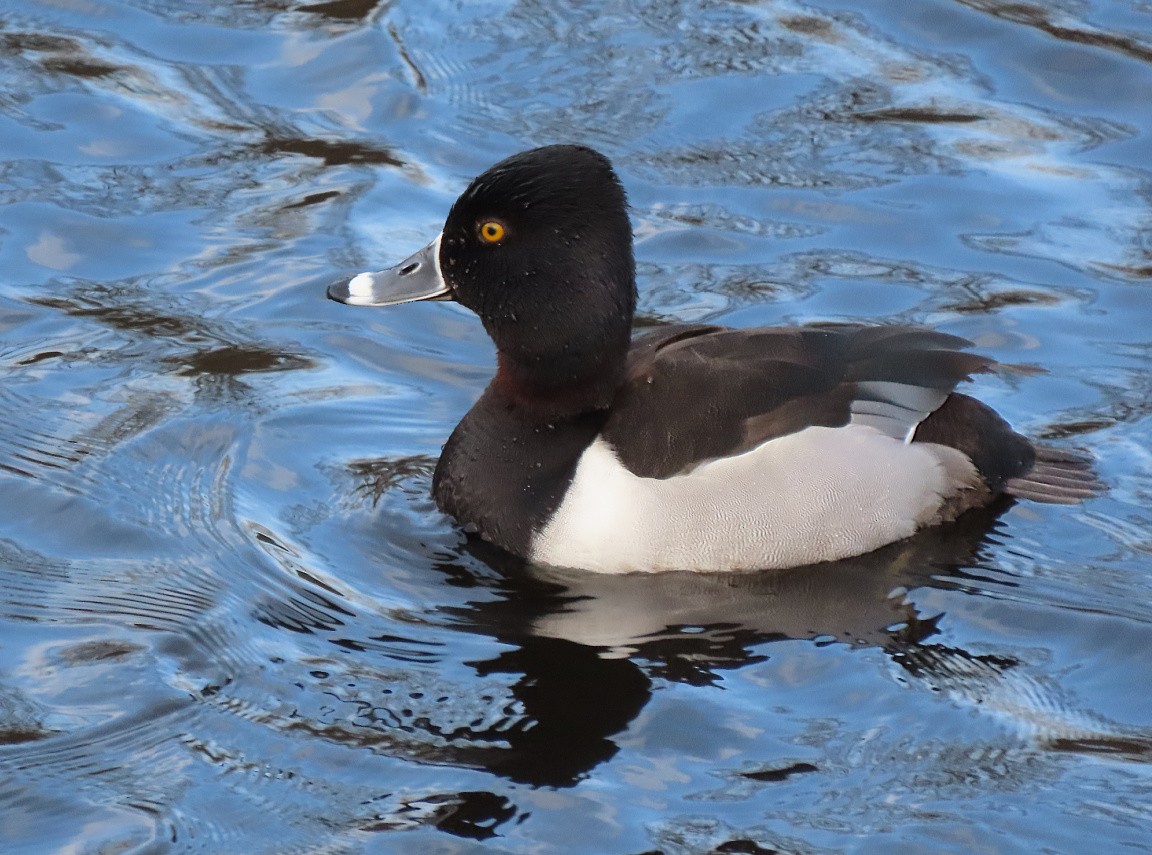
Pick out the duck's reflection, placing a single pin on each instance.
(579, 656)
(574, 700)
(587, 646)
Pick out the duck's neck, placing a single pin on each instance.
(554, 381)
(507, 465)
(540, 399)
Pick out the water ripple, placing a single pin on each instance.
(232, 618)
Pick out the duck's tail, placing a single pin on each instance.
(1059, 476)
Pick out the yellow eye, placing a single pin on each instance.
(491, 231)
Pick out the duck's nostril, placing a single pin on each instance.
(410, 268)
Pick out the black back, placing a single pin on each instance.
(698, 393)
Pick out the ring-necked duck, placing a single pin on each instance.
(693, 447)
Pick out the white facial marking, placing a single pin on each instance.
(436, 259)
(816, 495)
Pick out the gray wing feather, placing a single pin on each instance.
(896, 409)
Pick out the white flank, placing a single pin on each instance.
(816, 495)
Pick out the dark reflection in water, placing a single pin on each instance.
(352, 10)
(1046, 20)
(232, 620)
(236, 360)
(333, 153)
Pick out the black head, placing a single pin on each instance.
(540, 247)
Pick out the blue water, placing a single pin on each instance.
(232, 620)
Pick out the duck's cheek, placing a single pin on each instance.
(418, 277)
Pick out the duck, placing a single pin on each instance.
(693, 447)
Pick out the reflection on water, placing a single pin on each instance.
(231, 618)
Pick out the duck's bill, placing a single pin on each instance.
(417, 277)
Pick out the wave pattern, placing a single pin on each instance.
(231, 619)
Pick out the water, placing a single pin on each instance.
(231, 619)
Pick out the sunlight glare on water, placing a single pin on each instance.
(231, 618)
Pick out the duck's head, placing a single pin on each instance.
(540, 247)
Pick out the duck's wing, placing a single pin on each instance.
(698, 393)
